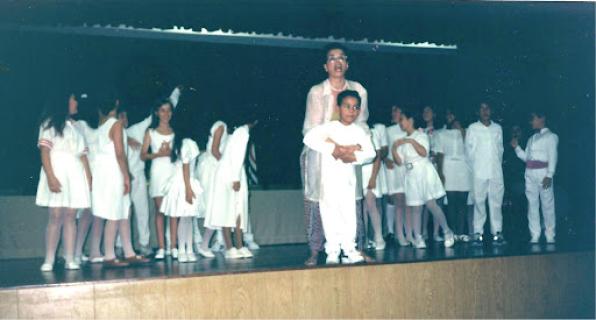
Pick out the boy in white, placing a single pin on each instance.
(342, 145)
(540, 157)
(484, 149)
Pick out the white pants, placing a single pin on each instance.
(493, 189)
(339, 225)
(534, 192)
(140, 201)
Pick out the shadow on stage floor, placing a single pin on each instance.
(16, 273)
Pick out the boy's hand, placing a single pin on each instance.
(190, 195)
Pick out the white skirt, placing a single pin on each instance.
(366, 175)
(395, 179)
(422, 183)
(174, 201)
(206, 171)
(109, 200)
(161, 171)
(70, 172)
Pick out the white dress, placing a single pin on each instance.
(109, 200)
(422, 182)
(379, 140)
(208, 164)
(162, 167)
(225, 205)
(90, 139)
(174, 201)
(455, 168)
(65, 155)
(395, 176)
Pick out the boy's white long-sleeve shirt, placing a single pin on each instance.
(541, 146)
(484, 150)
(338, 179)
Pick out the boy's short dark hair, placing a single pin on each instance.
(348, 93)
(334, 46)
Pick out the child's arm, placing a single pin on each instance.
(217, 142)
(372, 183)
(238, 143)
(318, 139)
(190, 195)
(398, 160)
(366, 152)
(46, 163)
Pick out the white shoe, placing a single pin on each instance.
(72, 266)
(332, 258)
(160, 254)
(353, 257)
(380, 245)
(46, 267)
(419, 243)
(245, 253)
(438, 238)
(449, 240)
(205, 253)
(535, 240)
(464, 238)
(96, 260)
(191, 257)
(402, 242)
(174, 253)
(168, 252)
(252, 245)
(232, 254)
(550, 240)
(84, 258)
(182, 257)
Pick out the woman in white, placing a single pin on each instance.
(374, 184)
(86, 219)
(399, 220)
(182, 192)
(64, 179)
(227, 206)
(422, 183)
(455, 173)
(159, 137)
(111, 185)
(218, 137)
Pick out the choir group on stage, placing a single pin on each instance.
(414, 172)
(93, 174)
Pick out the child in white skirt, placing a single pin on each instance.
(218, 137)
(227, 206)
(399, 217)
(64, 180)
(422, 183)
(111, 185)
(343, 145)
(159, 137)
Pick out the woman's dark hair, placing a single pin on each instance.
(334, 46)
(410, 113)
(183, 121)
(56, 111)
(348, 93)
(156, 106)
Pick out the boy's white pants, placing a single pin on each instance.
(339, 225)
(140, 201)
(493, 189)
(537, 195)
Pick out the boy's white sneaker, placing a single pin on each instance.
(245, 253)
(232, 254)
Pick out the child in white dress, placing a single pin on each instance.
(182, 192)
(342, 145)
(159, 137)
(422, 184)
(111, 185)
(227, 206)
(218, 137)
(64, 178)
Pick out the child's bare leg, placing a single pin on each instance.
(173, 232)
(126, 238)
(238, 234)
(83, 226)
(159, 223)
(69, 233)
(109, 239)
(207, 239)
(96, 233)
(227, 237)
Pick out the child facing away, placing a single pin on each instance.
(343, 145)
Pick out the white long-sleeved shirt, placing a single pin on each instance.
(541, 146)
(335, 174)
(137, 132)
(484, 150)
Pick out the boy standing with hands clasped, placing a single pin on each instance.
(342, 145)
